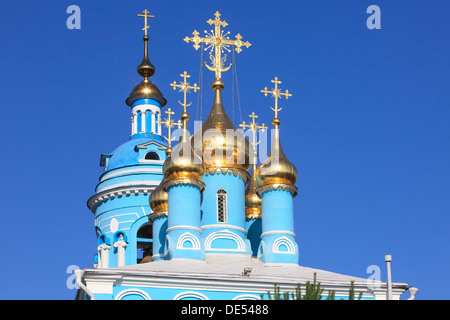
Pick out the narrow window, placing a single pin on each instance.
(221, 205)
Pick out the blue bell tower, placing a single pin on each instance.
(131, 172)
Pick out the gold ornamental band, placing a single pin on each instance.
(244, 175)
(156, 215)
(277, 186)
(176, 182)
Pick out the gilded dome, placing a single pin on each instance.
(276, 169)
(158, 199)
(222, 146)
(146, 89)
(252, 199)
(183, 163)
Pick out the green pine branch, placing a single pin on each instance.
(313, 291)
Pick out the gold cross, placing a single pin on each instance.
(185, 87)
(169, 124)
(218, 41)
(276, 93)
(145, 15)
(253, 126)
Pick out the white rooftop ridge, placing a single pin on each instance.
(221, 271)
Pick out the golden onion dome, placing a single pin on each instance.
(276, 169)
(252, 199)
(146, 89)
(158, 199)
(221, 145)
(183, 163)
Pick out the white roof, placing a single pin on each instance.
(231, 266)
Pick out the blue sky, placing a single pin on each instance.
(366, 127)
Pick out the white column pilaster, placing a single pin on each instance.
(103, 256)
(134, 124)
(153, 121)
(120, 245)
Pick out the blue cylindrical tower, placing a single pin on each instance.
(225, 151)
(183, 171)
(276, 178)
(131, 172)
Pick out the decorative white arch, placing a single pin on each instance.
(188, 237)
(190, 294)
(283, 241)
(247, 297)
(126, 292)
(224, 234)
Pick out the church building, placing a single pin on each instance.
(200, 219)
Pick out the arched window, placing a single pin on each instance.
(152, 155)
(139, 122)
(145, 243)
(221, 205)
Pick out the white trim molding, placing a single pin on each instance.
(188, 237)
(190, 294)
(225, 234)
(98, 198)
(283, 241)
(247, 297)
(277, 232)
(127, 292)
(182, 227)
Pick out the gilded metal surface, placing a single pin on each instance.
(253, 126)
(158, 198)
(218, 41)
(252, 199)
(145, 15)
(169, 124)
(277, 186)
(184, 163)
(276, 169)
(156, 215)
(244, 175)
(176, 182)
(218, 141)
(276, 93)
(146, 89)
(185, 88)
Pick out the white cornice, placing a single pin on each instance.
(116, 173)
(98, 198)
(150, 183)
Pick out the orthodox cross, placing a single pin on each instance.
(253, 126)
(217, 40)
(169, 124)
(185, 87)
(276, 93)
(145, 15)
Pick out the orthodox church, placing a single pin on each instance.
(200, 220)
